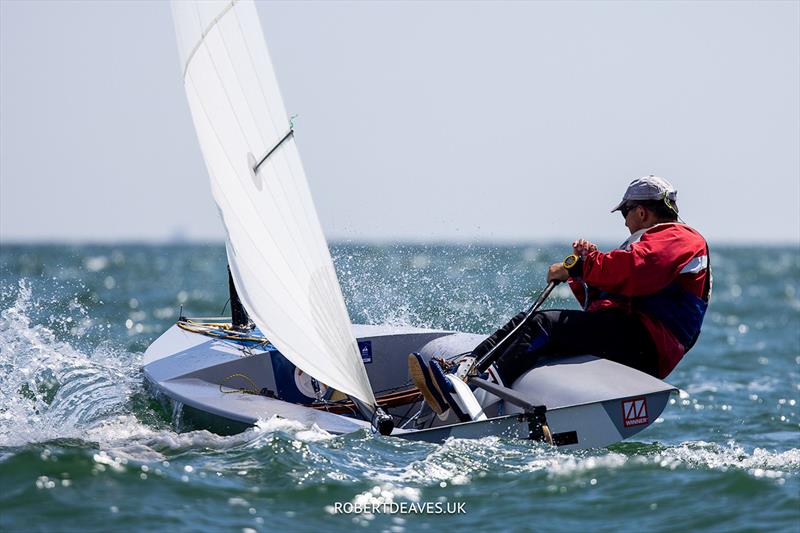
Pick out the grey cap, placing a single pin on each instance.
(648, 188)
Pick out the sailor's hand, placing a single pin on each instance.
(582, 247)
(557, 272)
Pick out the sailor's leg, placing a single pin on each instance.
(611, 334)
(516, 356)
(490, 342)
(522, 352)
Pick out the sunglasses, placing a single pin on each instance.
(627, 208)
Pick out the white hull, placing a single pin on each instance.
(589, 402)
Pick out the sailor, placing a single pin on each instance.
(643, 303)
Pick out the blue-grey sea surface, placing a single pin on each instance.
(83, 448)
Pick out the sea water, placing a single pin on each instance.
(83, 448)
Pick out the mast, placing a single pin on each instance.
(239, 317)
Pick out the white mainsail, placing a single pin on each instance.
(277, 253)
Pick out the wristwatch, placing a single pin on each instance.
(574, 265)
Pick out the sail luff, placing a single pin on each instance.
(226, 205)
(233, 224)
(279, 259)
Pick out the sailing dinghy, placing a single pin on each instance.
(300, 358)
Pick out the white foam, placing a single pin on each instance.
(458, 461)
(690, 455)
(51, 389)
(731, 456)
(293, 428)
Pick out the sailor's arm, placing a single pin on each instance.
(650, 265)
(580, 248)
(560, 271)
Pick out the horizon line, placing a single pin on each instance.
(190, 241)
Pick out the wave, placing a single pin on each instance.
(458, 461)
(50, 388)
(54, 390)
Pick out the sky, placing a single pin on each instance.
(417, 121)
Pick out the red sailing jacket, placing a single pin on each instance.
(662, 277)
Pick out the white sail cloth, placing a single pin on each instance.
(278, 255)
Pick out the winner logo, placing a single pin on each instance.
(634, 412)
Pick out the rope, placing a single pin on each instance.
(254, 390)
(220, 331)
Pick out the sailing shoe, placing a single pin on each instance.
(445, 386)
(424, 381)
